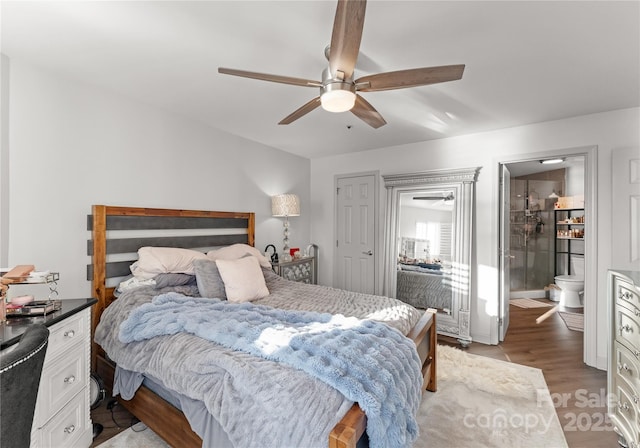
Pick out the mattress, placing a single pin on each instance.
(284, 295)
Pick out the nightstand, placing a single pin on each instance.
(62, 409)
(298, 270)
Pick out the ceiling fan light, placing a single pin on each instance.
(338, 100)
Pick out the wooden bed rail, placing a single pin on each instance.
(353, 425)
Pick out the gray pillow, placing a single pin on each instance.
(173, 279)
(208, 279)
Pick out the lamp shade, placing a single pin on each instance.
(285, 205)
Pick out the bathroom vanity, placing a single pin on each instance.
(624, 356)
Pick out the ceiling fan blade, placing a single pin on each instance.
(367, 113)
(302, 111)
(272, 78)
(346, 36)
(409, 78)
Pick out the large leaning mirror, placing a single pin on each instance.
(428, 232)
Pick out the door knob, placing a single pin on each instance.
(368, 252)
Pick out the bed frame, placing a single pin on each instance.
(119, 232)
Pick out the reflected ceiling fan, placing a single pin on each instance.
(338, 89)
(445, 198)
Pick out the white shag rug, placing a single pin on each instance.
(480, 403)
(483, 402)
(138, 436)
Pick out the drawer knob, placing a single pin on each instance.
(70, 379)
(69, 334)
(624, 366)
(625, 327)
(635, 398)
(624, 406)
(624, 295)
(637, 353)
(69, 429)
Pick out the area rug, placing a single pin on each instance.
(574, 321)
(480, 402)
(138, 436)
(529, 303)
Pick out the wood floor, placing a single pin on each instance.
(579, 391)
(113, 420)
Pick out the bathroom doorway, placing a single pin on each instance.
(539, 247)
(580, 180)
(537, 254)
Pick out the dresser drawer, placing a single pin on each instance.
(627, 295)
(624, 410)
(67, 333)
(68, 428)
(627, 328)
(627, 368)
(62, 378)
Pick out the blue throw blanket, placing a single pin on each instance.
(369, 362)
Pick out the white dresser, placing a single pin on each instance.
(624, 356)
(62, 418)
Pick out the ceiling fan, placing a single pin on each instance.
(338, 89)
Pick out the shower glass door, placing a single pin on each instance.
(531, 235)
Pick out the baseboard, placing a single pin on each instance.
(602, 363)
(531, 294)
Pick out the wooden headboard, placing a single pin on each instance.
(118, 232)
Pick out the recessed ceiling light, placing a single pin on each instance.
(552, 161)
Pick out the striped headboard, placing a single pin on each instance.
(118, 232)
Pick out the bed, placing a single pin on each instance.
(119, 232)
(424, 287)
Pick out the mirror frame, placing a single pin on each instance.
(462, 182)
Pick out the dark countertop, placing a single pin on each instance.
(14, 327)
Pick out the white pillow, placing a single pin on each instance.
(162, 260)
(243, 279)
(236, 251)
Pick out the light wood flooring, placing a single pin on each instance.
(578, 390)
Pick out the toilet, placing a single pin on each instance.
(571, 286)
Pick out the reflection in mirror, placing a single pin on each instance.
(425, 251)
(428, 244)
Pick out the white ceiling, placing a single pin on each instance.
(526, 62)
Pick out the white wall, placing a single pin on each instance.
(4, 158)
(72, 145)
(574, 178)
(606, 130)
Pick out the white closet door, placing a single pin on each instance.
(625, 238)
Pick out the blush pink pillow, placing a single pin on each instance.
(243, 279)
